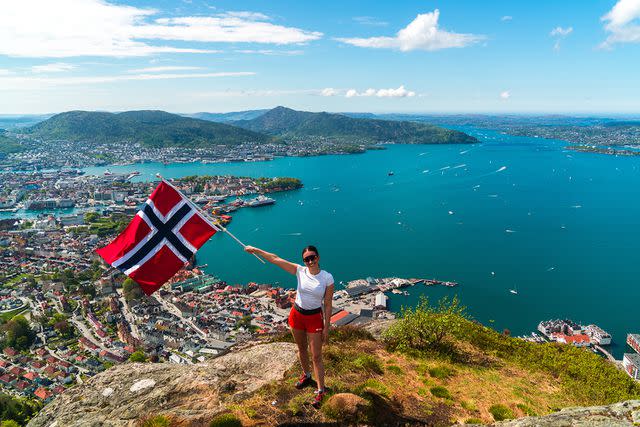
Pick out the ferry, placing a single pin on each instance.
(261, 200)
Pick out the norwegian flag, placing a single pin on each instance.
(160, 240)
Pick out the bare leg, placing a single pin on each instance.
(300, 336)
(316, 353)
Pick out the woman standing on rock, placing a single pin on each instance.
(310, 316)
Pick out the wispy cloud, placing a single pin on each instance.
(20, 83)
(559, 33)
(621, 23)
(505, 95)
(271, 52)
(163, 69)
(400, 92)
(329, 91)
(68, 28)
(57, 67)
(422, 33)
(370, 20)
(506, 18)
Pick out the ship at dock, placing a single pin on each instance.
(261, 200)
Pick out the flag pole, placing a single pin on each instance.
(216, 224)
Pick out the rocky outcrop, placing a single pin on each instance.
(624, 414)
(193, 393)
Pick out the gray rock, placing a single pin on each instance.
(623, 414)
(196, 393)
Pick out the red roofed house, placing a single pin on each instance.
(339, 315)
(22, 385)
(31, 376)
(59, 389)
(3, 363)
(8, 378)
(17, 371)
(579, 340)
(38, 365)
(11, 352)
(43, 394)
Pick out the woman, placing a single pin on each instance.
(310, 316)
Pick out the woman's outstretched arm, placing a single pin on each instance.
(287, 266)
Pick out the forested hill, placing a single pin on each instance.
(150, 128)
(288, 123)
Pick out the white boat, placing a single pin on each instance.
(514, 291)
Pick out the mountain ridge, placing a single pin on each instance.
(292, 124)
(149, 127)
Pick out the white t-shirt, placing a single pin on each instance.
(311, 287)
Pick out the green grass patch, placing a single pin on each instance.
(501, 412)
(394, 369)
(225, 420)
(372, 385)
(469, 405)
(474, 421)
(527, 410)
(441, 372)
(296, 405)
(5, 317)
(439, 391)
(156, 421)
(368, 363)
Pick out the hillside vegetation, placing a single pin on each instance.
(8, 145)
(150, 128)
(435, 366)
(292, 124)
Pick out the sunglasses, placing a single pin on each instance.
(310, 258)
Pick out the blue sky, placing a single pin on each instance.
(403, 56)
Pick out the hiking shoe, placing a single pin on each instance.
(304, 381)
(317, 401)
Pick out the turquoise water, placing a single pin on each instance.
(572, 250)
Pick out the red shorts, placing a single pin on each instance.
(312, 323)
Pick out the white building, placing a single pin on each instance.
(381, 301)
(631, 363)
(598, 335)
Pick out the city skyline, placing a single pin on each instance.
(420, 57)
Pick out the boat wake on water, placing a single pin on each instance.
(292, 234)
(508, 230)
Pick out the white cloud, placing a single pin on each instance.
(561, 32)
(68, 28)
(505, 95)
(271, 52)
(421, 34)
(621, 23)
(4, 72)
(163, 69)
(506, 18)
(370, 20)
(56, 67)
(329, 91)
(21, 83)
(400, 92)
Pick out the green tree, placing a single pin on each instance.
(131, 290)
(426, 327)
(138, 356)
(18, 333)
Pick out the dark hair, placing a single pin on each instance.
(310, 248)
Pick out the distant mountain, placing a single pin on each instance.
(8, 144)
(227, 117)
(289, 123)
(151, 128)
(10, 121)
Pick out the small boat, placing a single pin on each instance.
(390, 173)
(514, 291)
